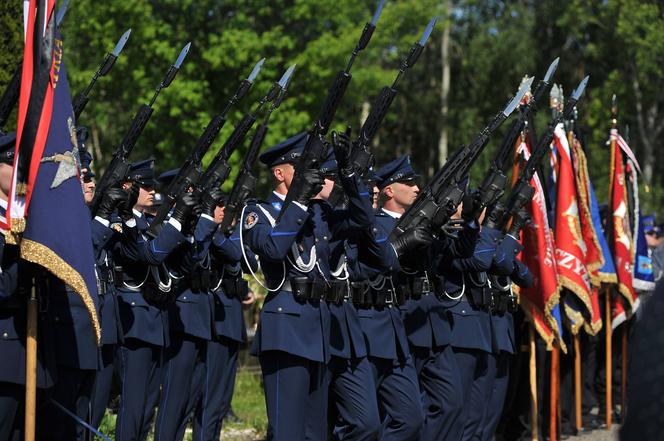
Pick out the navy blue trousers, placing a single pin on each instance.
(496, 402)
(476, 383)
(12, 398)
(137, 366)
(181, 359)
(101, 393)
(353, 392)
(399, 400)
(218, 383)
(73, 386)
(442, 397)
(296, 393)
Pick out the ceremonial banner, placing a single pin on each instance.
(571, 248)
(620, 232)
(540, 302)
(57, 234)
(594, 256)
(644, 279)
(607, 273)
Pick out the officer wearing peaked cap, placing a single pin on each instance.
(293, 333)
(352, 387)
(417, 287)
(143, 286)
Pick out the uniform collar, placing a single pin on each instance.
(392, 214)
(279, 195)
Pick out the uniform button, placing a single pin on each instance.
(280, 309)
(374, 229)
(184, 298)
(299, 221)
(133, 303)
(5, 335)
(463, 311)
(324, 237)
(316, 240)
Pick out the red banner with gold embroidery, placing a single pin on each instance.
(594, 255)
(620, 237)
(571, 248)
(540, 302)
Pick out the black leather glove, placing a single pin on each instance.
(183, 207)
(189, 226)
(519, 220)
(413, 239)
(471, 206)
(495, 216)
(111, 199)
(210, 202)
(343, 151)
(126, 207)
(307, 185)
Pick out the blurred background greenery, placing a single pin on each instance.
(483, 48)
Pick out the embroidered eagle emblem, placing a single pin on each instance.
(68, 162)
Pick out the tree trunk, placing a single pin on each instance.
(445, 85)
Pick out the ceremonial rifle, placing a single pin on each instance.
(190, 173)
(218, 170)
(118, 168)
(362, 158)
(493, 185)
(245, 183)
(81, 99)
(10, 95)
(439, 199)
(522, 192)
(315, 148)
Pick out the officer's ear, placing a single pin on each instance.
(388, 192)
(278, 174)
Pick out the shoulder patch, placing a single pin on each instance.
(250, 220)
(277, 205)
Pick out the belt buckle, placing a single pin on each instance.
(426, 285)
(389, 298)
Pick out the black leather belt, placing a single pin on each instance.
(303, 288)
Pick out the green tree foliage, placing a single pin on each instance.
(619, 43)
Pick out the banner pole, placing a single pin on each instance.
(577, 381)
(31, 367)
(534, 424)
(608, 361)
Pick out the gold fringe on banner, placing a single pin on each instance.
(41, 255)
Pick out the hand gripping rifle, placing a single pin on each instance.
(493, 185)
(362, 158)
(245, 183)
(190, 173)
(522, 192)
(81, 99)
(439, 199)
(118, 168)
(315, 148)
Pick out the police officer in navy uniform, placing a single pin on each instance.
(106, 228)
(293, 333)
(424, 315)
(190, 320)
(369, 260)
(505, 270)
(15, 283)
(468, 299)
(355, 414)
(230, 292)
(142, 285)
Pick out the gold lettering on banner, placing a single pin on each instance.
(57, 61)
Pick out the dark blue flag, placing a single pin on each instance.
(57, 231)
